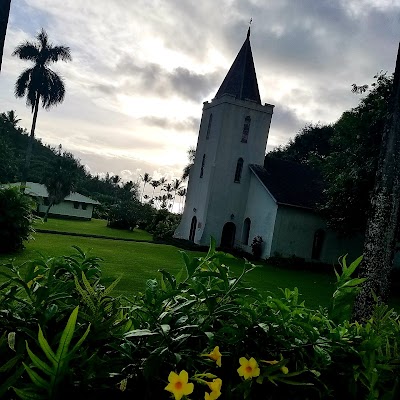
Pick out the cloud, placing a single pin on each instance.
(141, 70)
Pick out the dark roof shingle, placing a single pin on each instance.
(241, 79)
(290, 183)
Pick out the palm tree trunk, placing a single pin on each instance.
(30, 145)
(383, 221)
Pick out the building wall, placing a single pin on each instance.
(66, 208)
(294, 235)
(215, 198)
(261, 209)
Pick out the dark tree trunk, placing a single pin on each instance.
(4, 14)
(382, 223)
(25, 171)
(46, 215)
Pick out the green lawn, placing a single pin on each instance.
(139, 261)
(93, 227)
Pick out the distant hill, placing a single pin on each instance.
(13, 144)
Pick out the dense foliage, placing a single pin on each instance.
(64, 335)
(346, 154)
(16, 218)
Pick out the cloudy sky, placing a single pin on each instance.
(142, 68)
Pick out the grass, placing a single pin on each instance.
(93, 227)
(139, 261)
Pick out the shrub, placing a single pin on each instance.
(202, 327)
(16, 218)
(256, 247)
(163, 224)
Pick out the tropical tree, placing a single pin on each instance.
(155, 185)
(146, 178)
(382, 226)
(60, 179)
(191, 156)
(176, 186)
(181, 194)
(10, 118)
(39, 83)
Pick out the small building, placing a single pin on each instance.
(74, 206)
(234, 195)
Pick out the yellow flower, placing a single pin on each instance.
(215, 355)
(285, 370)
(215, 387)
(211, 396)
(178, 384)
(248, 368)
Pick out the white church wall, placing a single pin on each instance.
(215, 198)
(261, 209)
(294, 235)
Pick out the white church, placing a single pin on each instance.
(233, 197)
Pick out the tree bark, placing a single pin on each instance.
(384, 212)
(29, 149)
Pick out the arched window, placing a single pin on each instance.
(238, 172)
(246, 129)
(209, 126)
(318, 242)
(203, 161)
(193, 229)
(246, 231)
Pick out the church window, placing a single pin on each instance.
(238, 172)
(246, 129)
(246, 231)
(203, 161)
(209, 126)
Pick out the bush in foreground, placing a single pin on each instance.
(16, 219)
(202, 333)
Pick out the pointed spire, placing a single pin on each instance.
(241, 79)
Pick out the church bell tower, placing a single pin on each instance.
(233, 135)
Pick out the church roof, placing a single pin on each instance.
(241, 79)
(290, 183)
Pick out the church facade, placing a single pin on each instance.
(234, 195)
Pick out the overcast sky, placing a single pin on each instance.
(141, 69)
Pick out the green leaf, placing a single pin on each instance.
(36, 378)
(46, 347)
(67, 335)
(88, 286)
(139, 333)
(80, 341)
(38, 362)
(28, 394)
(9, 364)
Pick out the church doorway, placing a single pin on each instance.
(193, 229)
(228, 235)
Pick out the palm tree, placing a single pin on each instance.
(181, 194)
(155, 185)
(191, 156)
(176, 185)
(146, 178)
(10, 118)
(39, 83)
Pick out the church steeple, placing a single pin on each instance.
(241, 79)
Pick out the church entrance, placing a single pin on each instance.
(228, 235)
(193, 229)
